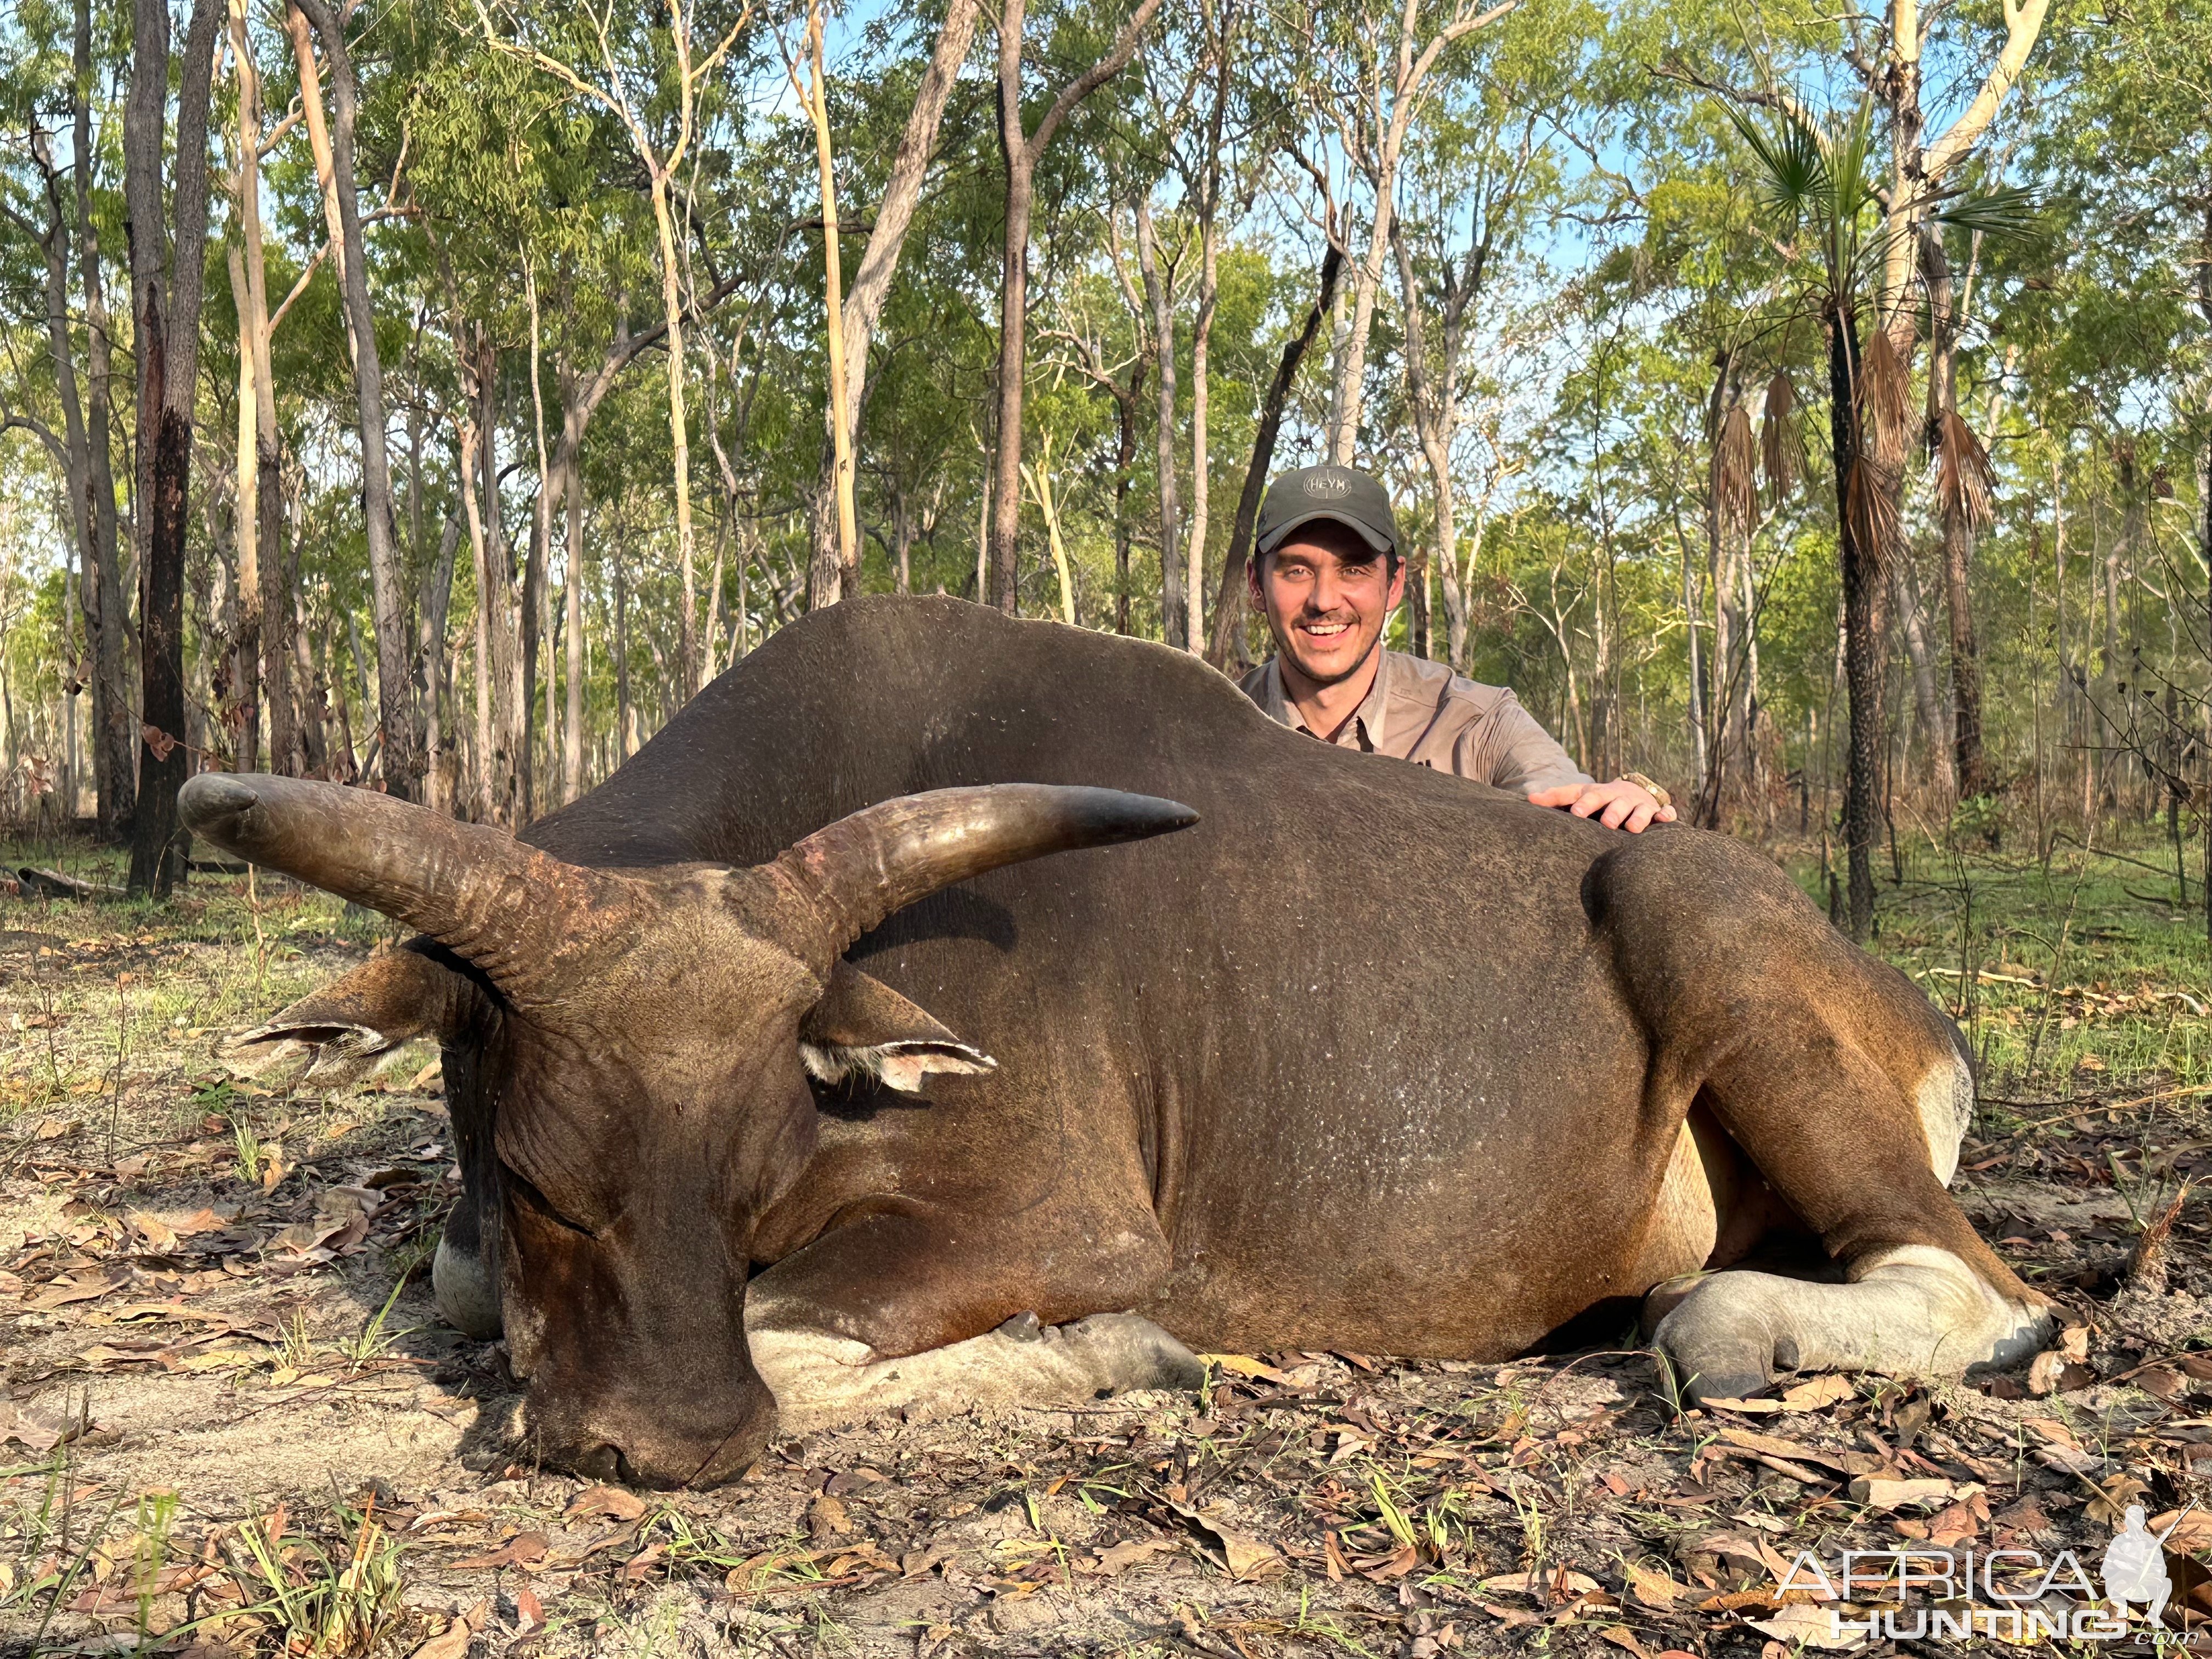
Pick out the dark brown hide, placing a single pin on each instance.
(1373, 1057)
(623, 1059)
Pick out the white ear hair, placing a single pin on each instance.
(902, 1065)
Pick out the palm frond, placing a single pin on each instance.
(1965, 481)
(1849, 145)
(1883, 393)
(1870, 499)
(1793, 167)
(1736, 471)
(1779, 440)
(2005, 215)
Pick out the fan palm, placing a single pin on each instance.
(1813, 178)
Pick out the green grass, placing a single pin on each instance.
(2084, 974)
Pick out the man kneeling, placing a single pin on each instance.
(1329, 572)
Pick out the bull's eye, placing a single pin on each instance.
(524, 1192)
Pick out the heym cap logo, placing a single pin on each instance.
(1328, 486)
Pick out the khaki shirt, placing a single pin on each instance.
(1424, 713)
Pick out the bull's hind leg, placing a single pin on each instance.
(1849, 1095)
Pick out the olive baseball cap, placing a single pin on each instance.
(1338, 494)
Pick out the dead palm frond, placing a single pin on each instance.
(1884, 391)
(1966, 481)
(1780, 443)
(1736, 471)
(1870, 500)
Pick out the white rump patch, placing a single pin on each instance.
(1946, 1101)
(902, 1065)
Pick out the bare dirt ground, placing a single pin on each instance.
(233, 1424)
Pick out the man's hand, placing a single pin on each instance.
(1620, 804)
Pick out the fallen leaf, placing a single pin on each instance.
(1827, 1389)
(528, 1608)
(2161, 1381)
(30, 1429)
(826, 1515)
(161, 1237)
(1804, 1626)
(1242, 1364)
(452, 1642)
(519, 1552)
(1654, 1589)
(1877, 1493)
(1559, 1582)
(1796, 1451)
(61, 1296)
(1750, 1407)
(612, 1501)
(2191, 1529)
(1129, 1552)
(1625, 1638)
(2073, 1344)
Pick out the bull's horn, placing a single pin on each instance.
(861, 868)
(476, 889)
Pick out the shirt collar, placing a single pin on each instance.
(1362, 730)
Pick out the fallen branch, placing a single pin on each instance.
(53, 883)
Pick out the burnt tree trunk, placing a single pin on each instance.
(1862, 584)
(168, 313)
(1226, 650)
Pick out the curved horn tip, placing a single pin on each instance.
(208, 798)
(1153, 815)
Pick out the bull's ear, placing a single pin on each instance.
(344, 1028)
(862, 1025)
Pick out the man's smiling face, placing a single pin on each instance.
(1327, 595)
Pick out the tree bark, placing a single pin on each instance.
(167, 339)
(1174, 614)
(572, 751)
(1226, 649)
(1021, 150)
(1125, 461)
(1969, 763)
(102, 596)
(399, 720)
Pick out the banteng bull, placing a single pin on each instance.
(783, 1082)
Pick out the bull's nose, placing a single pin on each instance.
(606, 1463)
(645, 1453)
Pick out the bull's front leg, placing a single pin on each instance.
(932, 1312)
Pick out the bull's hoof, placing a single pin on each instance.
(1125, 1351)
(1712, 1351)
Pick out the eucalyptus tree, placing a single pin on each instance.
(899, 195)
(1476, 189)
(1022, 146)
(662, 103)
(165, 280)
